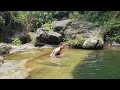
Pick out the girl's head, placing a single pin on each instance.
(62, 45)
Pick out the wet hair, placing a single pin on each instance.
(61, 43)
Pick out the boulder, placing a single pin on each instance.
(41, 31)
(44, 37)
(54, 38)
(93, 43)
(70, 33)
(85, 25)
(41, 37)
(82, 31)
(4, 48)
(24, 37)
(13, 69)
(1, 60)
(75, 25)
(61, 25)
(22, 48)
(80, 28)
(115, 44)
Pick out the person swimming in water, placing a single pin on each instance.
(57, 51)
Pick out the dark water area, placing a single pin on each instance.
(101, 64)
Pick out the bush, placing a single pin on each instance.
(47, 26)
(113, 30)
(2, 21)
(116, 38)
(33, 39)
(96, 17)
(75, 15)
(75, 43)
(16, 41)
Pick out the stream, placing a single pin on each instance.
(76, 63)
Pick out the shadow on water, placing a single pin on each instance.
(101, 64)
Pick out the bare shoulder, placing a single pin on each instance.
(56, 49)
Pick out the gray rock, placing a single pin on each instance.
(14, 70)
(41, 36)
(115, 44)
(54, 38)
(1, 60)
(85, 25)
(75, 25)
(93, 43)
(70, 33)
(44, 37)
(24, 37)
(61, 25)
(41, 31)
(22, 48)
(4, 48)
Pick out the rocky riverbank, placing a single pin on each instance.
(16, 69)
(75, 34)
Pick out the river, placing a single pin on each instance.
(76, 64)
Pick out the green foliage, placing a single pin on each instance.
(34, 19)
(96, 17)
(33, 39)
(109, 19)
(30, 20)
(75, 15)
(116, 38)
(16, 41)
(2, 21)
(12, 22)
(26, 21)
(113, 24)
(113, 30)
(48, 26)
(77, 43)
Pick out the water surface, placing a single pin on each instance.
(76, 64)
